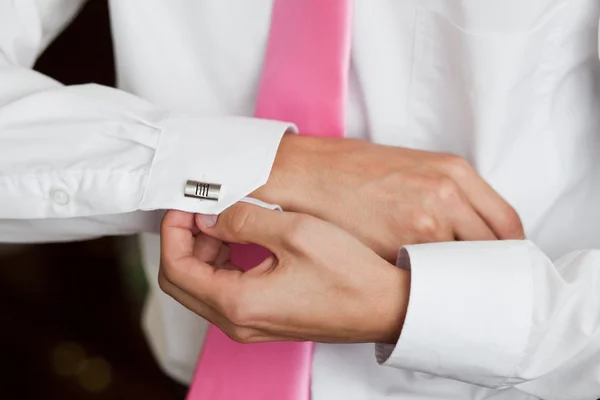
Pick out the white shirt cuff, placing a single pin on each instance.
(234, 152)
(469, 312)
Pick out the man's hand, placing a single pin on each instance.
(320, 284)
(387, 196)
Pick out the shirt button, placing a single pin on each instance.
(60, 197)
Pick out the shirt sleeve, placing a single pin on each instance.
(501, 314)
(89, 151)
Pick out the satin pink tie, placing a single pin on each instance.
(304, 80)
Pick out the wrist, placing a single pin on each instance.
(289, 177)
(395, 294)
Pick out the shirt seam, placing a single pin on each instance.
(519, 362)
(13, 177)
(168, 120)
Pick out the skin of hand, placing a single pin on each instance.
(387, 196)
(320, 283)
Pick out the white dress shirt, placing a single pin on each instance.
(511, 85)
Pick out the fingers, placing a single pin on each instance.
(211, 250)
(177, 234)
(221, 293)
(468, 224)
(187, 300)
(207, 248)
(180, 266)
(461, 217)
(501, 218)
(223, 257)
(247, 223)
(240, 333)
(494, 210)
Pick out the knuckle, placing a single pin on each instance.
(447, 189)
(242, 335)
(163, 282)
(512, 224)
(237, 312)
(168, 273)
(426, 226)
(239, 217)
(299, 230)
(457, 166)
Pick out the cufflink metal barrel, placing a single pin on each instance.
(202, 190)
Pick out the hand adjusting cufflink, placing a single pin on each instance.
(202, 190)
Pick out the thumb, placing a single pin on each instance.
(247, 223)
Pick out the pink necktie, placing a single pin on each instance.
(304, 80)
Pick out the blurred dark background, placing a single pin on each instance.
(70, 313)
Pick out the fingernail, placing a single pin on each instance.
(206, 221)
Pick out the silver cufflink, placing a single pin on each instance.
(202, 190)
